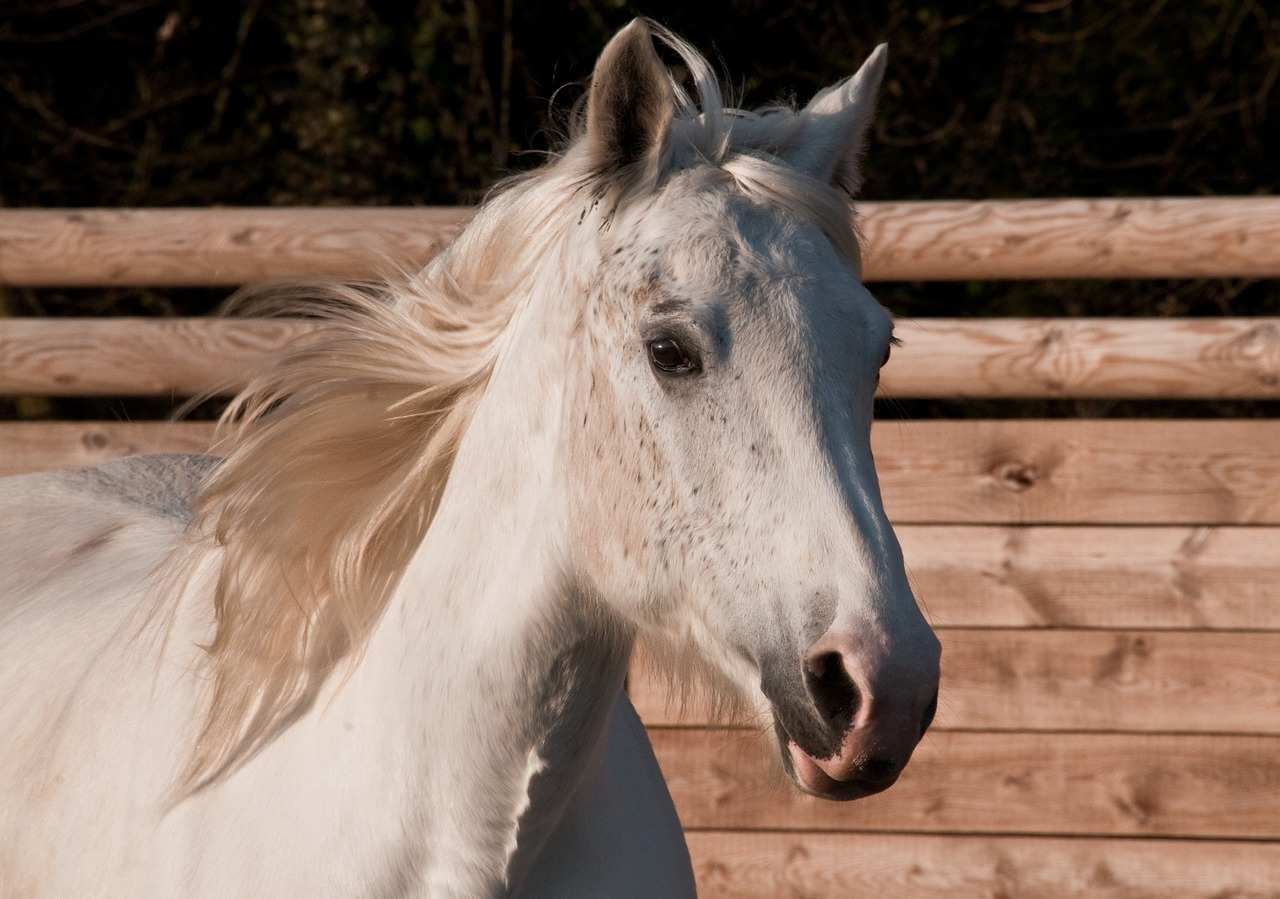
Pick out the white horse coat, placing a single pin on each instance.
(378, 649)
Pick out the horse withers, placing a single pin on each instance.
(377, 646)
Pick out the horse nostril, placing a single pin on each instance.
(929, 712)
(878, 771)
(832, 689)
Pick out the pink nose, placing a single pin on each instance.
(878, 704)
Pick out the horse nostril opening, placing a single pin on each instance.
(878, 770)
(929, 712)
(833, 691)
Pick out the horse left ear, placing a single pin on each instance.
(835, 126)
(631, 102)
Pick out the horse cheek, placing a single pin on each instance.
(621, 508)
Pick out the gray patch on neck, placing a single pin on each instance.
(163, 485)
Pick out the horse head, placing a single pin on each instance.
(724, 497)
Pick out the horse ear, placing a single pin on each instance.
(835, 126)
(631, 102)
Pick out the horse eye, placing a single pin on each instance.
(888, 350)
(668, 356)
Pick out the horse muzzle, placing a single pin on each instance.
(864, 718)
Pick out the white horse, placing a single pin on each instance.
(378, 649)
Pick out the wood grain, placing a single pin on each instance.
(1220, 237)
(177, 357)
(216, 247)
(781, 865)
(1202, 578)
(36, 446)
(1086, 358)
(1062, 784)
(1131, 681)
(1161, 472)
(1087, 681)
(993, 358)
(908, 241)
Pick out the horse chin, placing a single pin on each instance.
(808, 775)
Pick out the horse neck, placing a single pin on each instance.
(495, 674)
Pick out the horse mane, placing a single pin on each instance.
(337, 453)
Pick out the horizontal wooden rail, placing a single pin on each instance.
(1160, 472)
(35, 446)
(1063, 784)
(735, 864)
(987, 358)
(1129, 472)
(215, 247)
(176, 357)
(1084, 681)
(1203, 578)
(1222, 237)
(1086, 358)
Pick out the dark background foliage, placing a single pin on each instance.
(198, 102)
(208, 102)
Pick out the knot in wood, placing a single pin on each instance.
(1016, 476)
(1260, 346)
(94, 440)
(1053, 334)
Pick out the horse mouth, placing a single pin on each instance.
(811, 777)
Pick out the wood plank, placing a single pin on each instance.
(1086, 357)
(177, 357)
(1080, 471)
(1210, 787)
(1219, 237)
(216, 246)
(1095, 577)
(991, 358)
(1086, 681)
(986, 471)
(1132, 681)
(36, 446)
(755, 865)
(1206, 237)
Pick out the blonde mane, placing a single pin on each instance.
(337, 453)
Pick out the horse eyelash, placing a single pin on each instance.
(893, 343)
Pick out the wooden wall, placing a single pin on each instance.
(1107, 591)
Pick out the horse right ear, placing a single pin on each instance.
(836, 123)
(631, 102)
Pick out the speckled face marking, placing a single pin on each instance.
(725, 486)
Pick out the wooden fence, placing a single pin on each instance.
(1107, 591)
